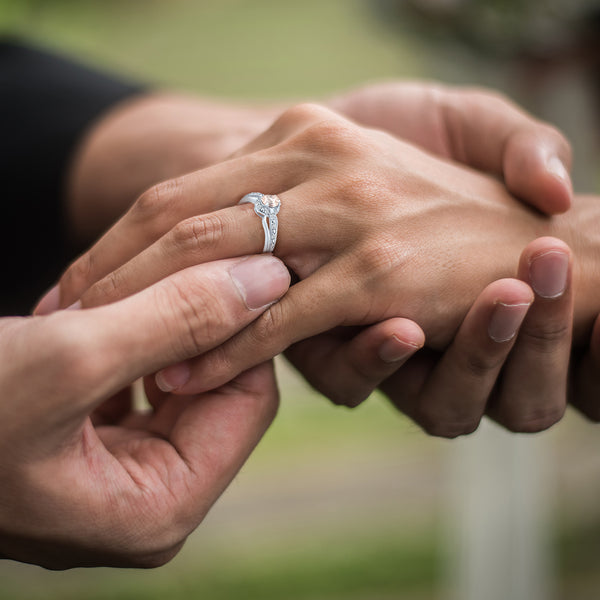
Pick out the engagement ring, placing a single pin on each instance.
(266, 206)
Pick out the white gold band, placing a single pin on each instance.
(266, 206)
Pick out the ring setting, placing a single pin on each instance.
(266, 206)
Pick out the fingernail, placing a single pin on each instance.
(49, 303)
(556, 167)
(173, 377)
(506, 320)
(260, 279)
(548, 274)
(394, 350)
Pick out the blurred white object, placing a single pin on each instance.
(499, 540)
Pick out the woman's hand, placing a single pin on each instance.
(146, 140)
(87, 480)
(159, 136)
(374, 228)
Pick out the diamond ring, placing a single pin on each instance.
(266, 206)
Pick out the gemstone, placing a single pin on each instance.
(270, 201)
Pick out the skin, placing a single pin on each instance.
(87, 425)
(160, 136)
(283, 129)
(86, 479)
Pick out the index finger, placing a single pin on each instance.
(310, 307)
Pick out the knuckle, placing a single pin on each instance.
(448, 430)
(480, 365)
(198, 233)
(334, 137)
(350, 398)
(378, 258)
(535, 420)
(108, 289)
(199, 308)
(362, 189)
(435, 425)
(77, 277)
(544, 338)
(152, 203)
(304, 114)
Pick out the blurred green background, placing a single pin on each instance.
(334, 503)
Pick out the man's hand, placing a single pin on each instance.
(87, 480)
(475, 127)
(160, 136)
(509, 358)
(146, 140)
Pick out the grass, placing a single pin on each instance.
(350, 568)
(230, 47)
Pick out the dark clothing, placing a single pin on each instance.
(46, 104)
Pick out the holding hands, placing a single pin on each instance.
(394, 247)
(370, 225)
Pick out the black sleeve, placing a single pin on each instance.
(46, 104)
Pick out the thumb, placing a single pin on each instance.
(486, 131)
(536, 168)
(182, 316)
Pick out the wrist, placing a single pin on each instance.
(147, 140)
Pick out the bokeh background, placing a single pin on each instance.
(356, 504)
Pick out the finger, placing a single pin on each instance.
(182, 316)
(586, 393)
(163, 206)
(159, 209)
(217, 433)
(226, 233)
(292, 121)
(534, 387)
(347, 371)
(490, 133)
(311, 306)
(452, 397)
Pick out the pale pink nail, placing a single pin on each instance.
(556, 166)
(548, 274)
(173, 377)
(506, 320)
(49, 303)
(394, 350)
(261, 280)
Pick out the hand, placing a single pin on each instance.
(160, 136)
(521, 381)
(145, 140)
(476, 127)
(85, 479)
(315, 154)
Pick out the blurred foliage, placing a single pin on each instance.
(504, 28)
(245, 48)
(360, 569)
